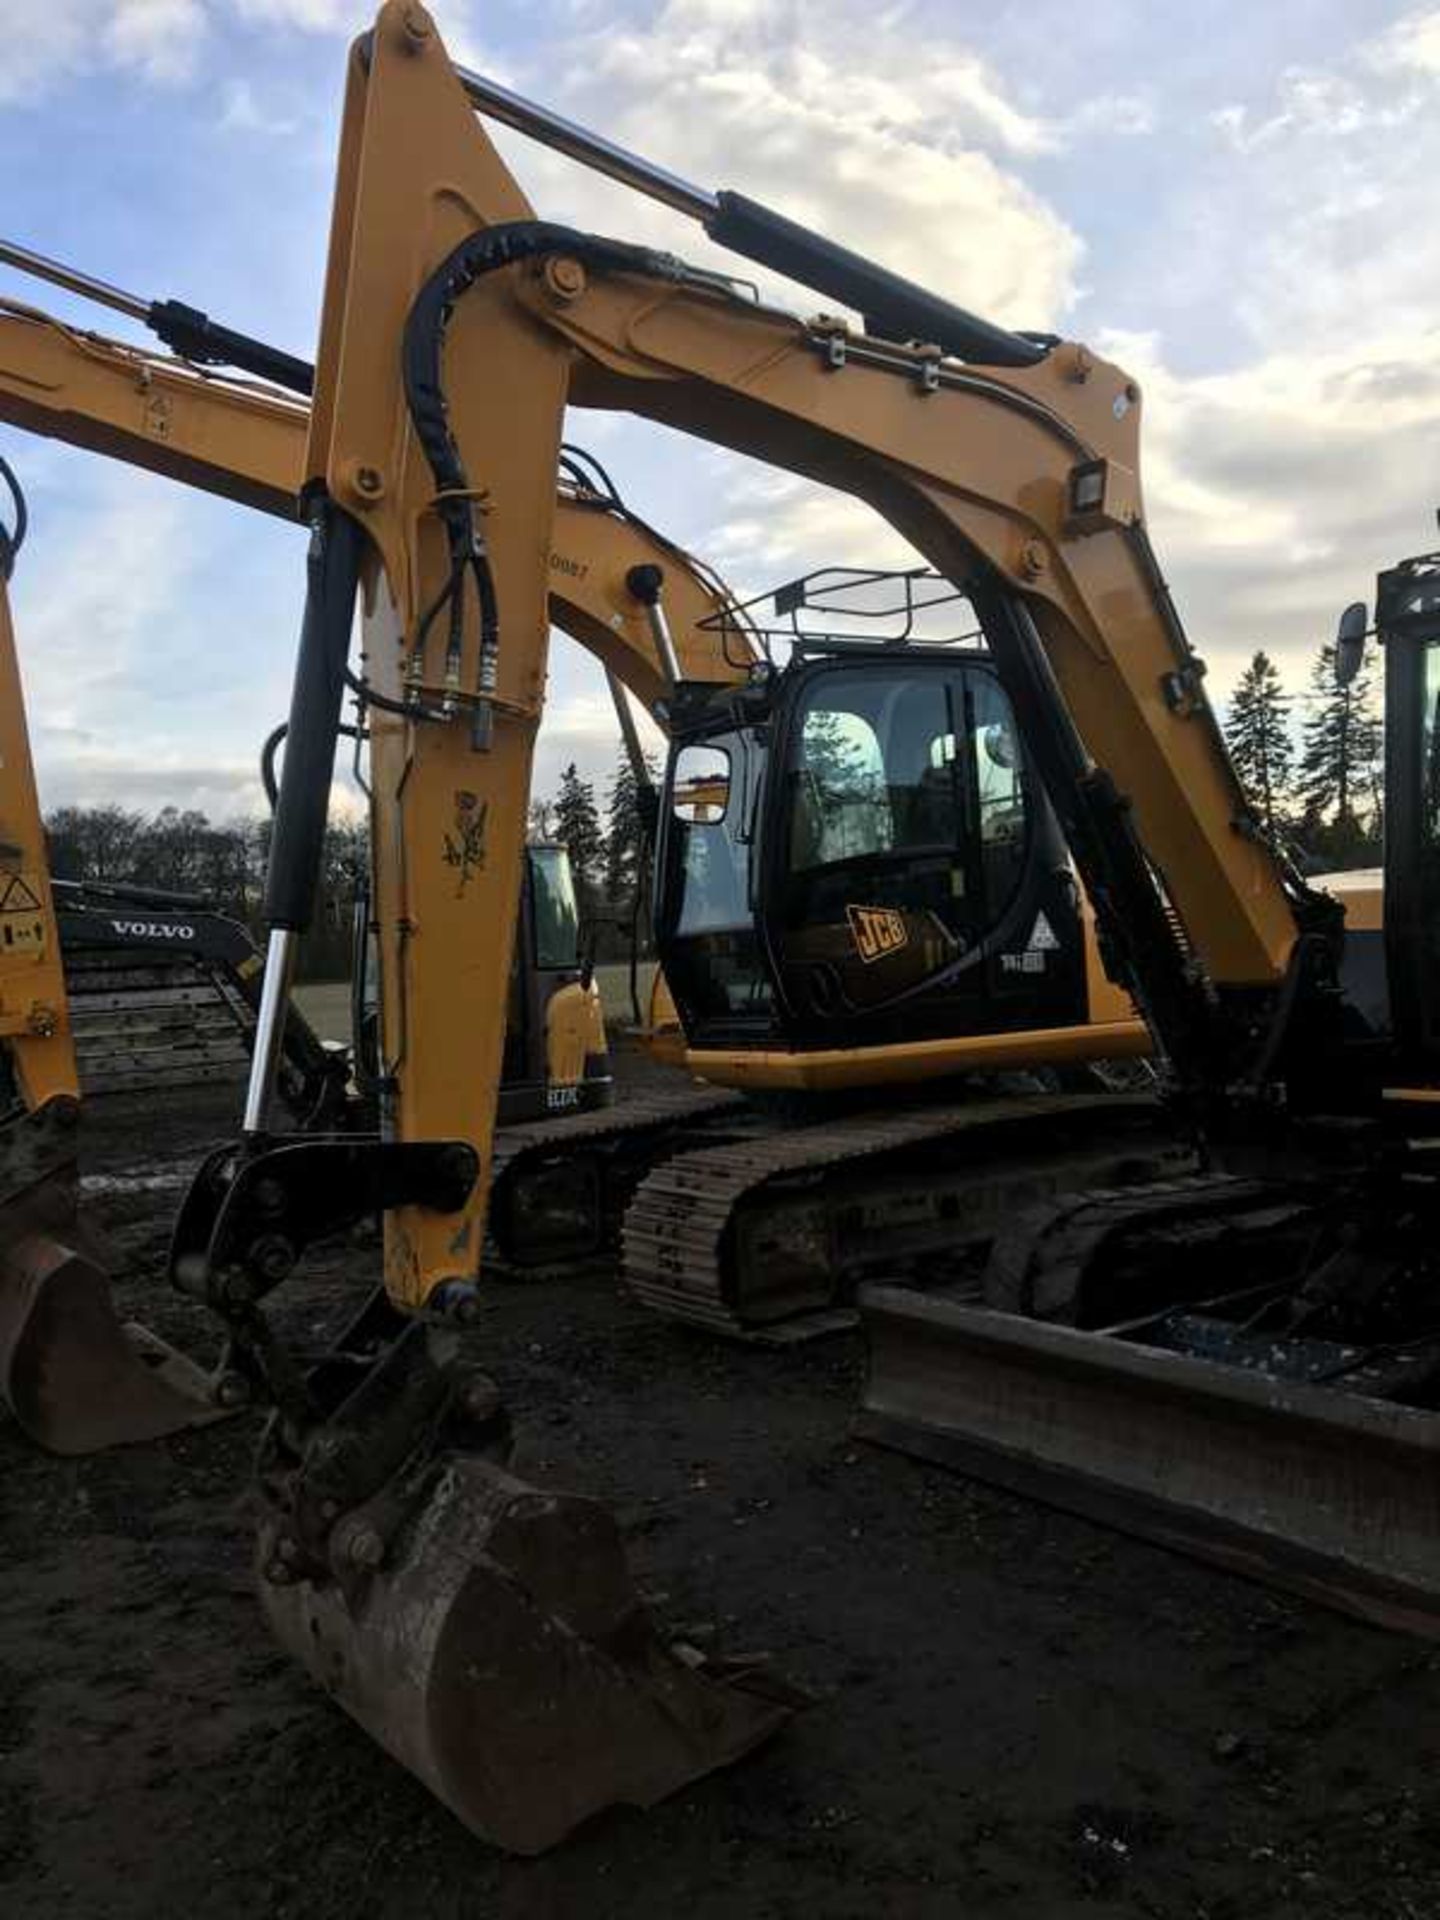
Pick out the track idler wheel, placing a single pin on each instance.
(74, 1375)
(495, 1645)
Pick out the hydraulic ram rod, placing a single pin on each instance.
(74, 281)
(592, 149)
(894, 308)
(185, 330)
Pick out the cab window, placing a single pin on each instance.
(871, 773)
(557, 917)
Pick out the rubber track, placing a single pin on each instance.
(518, 1149)
(1038, 1265)
(675, 1236)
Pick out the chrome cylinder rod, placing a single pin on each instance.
(270, 1026)
(579, 143)
(59, 275)
(664, 642)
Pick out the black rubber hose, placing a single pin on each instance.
(337, 544)
(12, 538)
(430, 311)
(273, 741)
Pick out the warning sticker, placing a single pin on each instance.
(16, 895)
(1042, 941)
(1042, 937)
(876, 931)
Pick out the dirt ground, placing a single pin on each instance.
(1017, 1713)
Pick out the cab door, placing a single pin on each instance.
(914, 884)
(1407, 615)
(705, 923)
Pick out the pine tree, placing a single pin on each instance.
(537, 820)
(1339, 763)
(577, 827)
(625, 831)
(1258, 735)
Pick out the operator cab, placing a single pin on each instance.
(1407, 622)
(854, 850)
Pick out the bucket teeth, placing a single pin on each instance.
(501, 1653)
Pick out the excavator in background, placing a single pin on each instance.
(162, 991)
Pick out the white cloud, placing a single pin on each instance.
(581, 727)
(311, 16)
(242, 111)
(1411, 44)
(1277, 490)
(1310, 101)
(158, 40)
(94, 625)
(833, 123)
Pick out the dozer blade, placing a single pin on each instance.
(1327, 1493)
(76, 1378)
(502, 1654)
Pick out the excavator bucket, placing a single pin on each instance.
(500, 1652)
(76, 1378)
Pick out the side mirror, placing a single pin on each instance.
(700, 785)
(1350, 642)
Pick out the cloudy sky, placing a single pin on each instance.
(1234, 200)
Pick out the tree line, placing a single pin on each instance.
(1313, 767)
(181, 850)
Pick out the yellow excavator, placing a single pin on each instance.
(1000, 969)
(1243, 1359)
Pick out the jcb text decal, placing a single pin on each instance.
(876, 931)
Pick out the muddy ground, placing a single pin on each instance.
(1018, 1713)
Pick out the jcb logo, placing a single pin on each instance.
(876, 931)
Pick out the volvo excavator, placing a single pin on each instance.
(1243, 1358)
